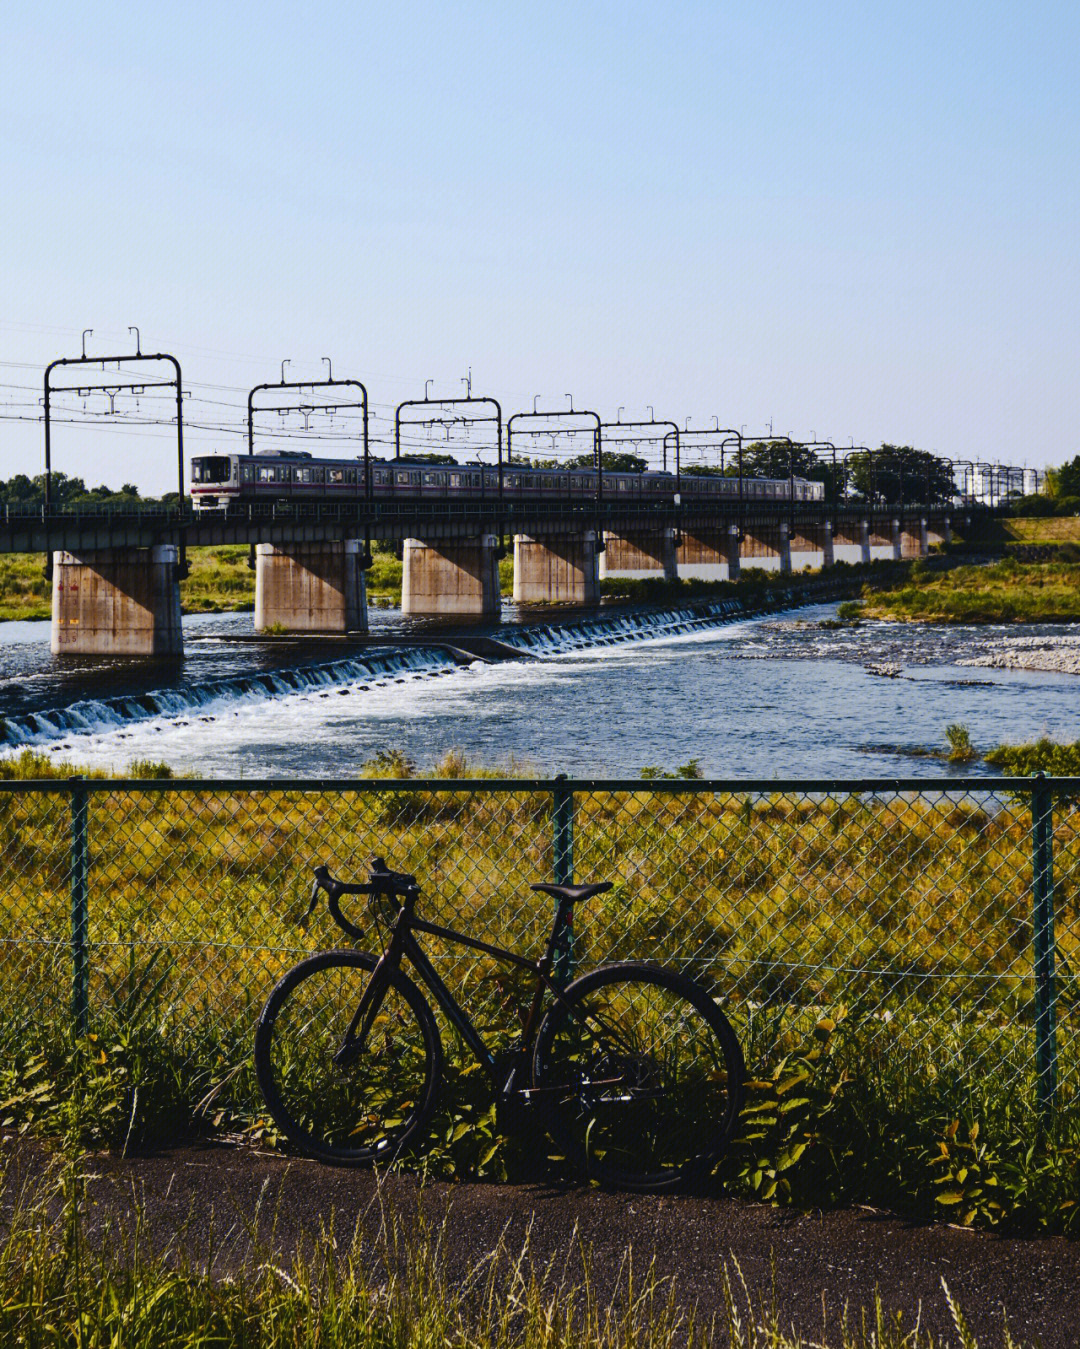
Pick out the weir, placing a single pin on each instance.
(556, 570)
(117, 602)
(100, 715)
(311, 587)
(457, 579)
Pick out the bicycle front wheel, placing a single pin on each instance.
(369, 1106)
(639, 1076)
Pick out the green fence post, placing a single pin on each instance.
(1042, 819)
(562, 818)
(80, 914)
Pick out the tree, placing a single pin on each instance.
(898, 475)
(613, 461)
(777, 459)
(1066, 479)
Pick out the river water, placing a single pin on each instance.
(772, 697)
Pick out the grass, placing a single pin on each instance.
(385, 1288)
(24, 592)
(874, 955)
(1003, 592)
(1049, 529)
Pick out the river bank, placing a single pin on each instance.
(1007, 591)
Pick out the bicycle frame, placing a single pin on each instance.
(403, 945)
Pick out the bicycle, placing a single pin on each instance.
(631, 1067)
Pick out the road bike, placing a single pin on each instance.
(632, 1068)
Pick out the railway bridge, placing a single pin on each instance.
(116, 574)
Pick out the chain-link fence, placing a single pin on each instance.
(934, 922)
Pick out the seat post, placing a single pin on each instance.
(562, 859)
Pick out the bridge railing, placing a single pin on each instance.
(925, 933)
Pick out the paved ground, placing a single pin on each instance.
(842, 1256)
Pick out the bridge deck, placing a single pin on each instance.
(34, 531)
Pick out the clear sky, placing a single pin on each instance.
(854, 220)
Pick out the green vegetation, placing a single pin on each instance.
(1044, 756)
(1004, 592)
(873, 954)
(22, 491)
(381, 1286)
(24, 592)
(961, 750)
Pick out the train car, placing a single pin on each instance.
(221, 480)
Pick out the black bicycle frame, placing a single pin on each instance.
(404, 945)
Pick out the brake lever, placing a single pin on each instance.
(305, 922)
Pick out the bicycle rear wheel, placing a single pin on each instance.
(639, 1075)
(368, 1109)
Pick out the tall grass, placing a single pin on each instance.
(62, 1285)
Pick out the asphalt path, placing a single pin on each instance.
(243, 1205)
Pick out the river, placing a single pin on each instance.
(776, 696)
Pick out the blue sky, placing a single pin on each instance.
(859, 221)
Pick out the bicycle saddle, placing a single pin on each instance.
(573, 894)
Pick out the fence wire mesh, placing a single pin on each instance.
(932, 921)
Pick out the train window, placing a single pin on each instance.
(547, 480)
(380, 477)
(267, 474)
(245, 473)
(474, 479)
(402, 478)
(216, 469)
(429, 478)
(349, 474)
(335, 475)
(302, 475)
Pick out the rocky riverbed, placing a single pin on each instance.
(1060, 655)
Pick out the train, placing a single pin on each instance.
(221, 480)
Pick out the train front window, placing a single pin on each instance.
(215, 469)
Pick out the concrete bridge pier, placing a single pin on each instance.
(117, 602)
(897, 541)
(864, 540)
(828, 546)
(456, 579)
(640, 556)
(785, 547)
(709, 554)
(556, 570)
(939, 533)
(914, 541)
(311, 587)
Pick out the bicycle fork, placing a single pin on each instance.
(363, 1018)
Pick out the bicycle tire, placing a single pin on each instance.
(370, 1110)
(639, 1075)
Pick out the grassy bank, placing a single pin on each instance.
(1003, 592)
(874, 955)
